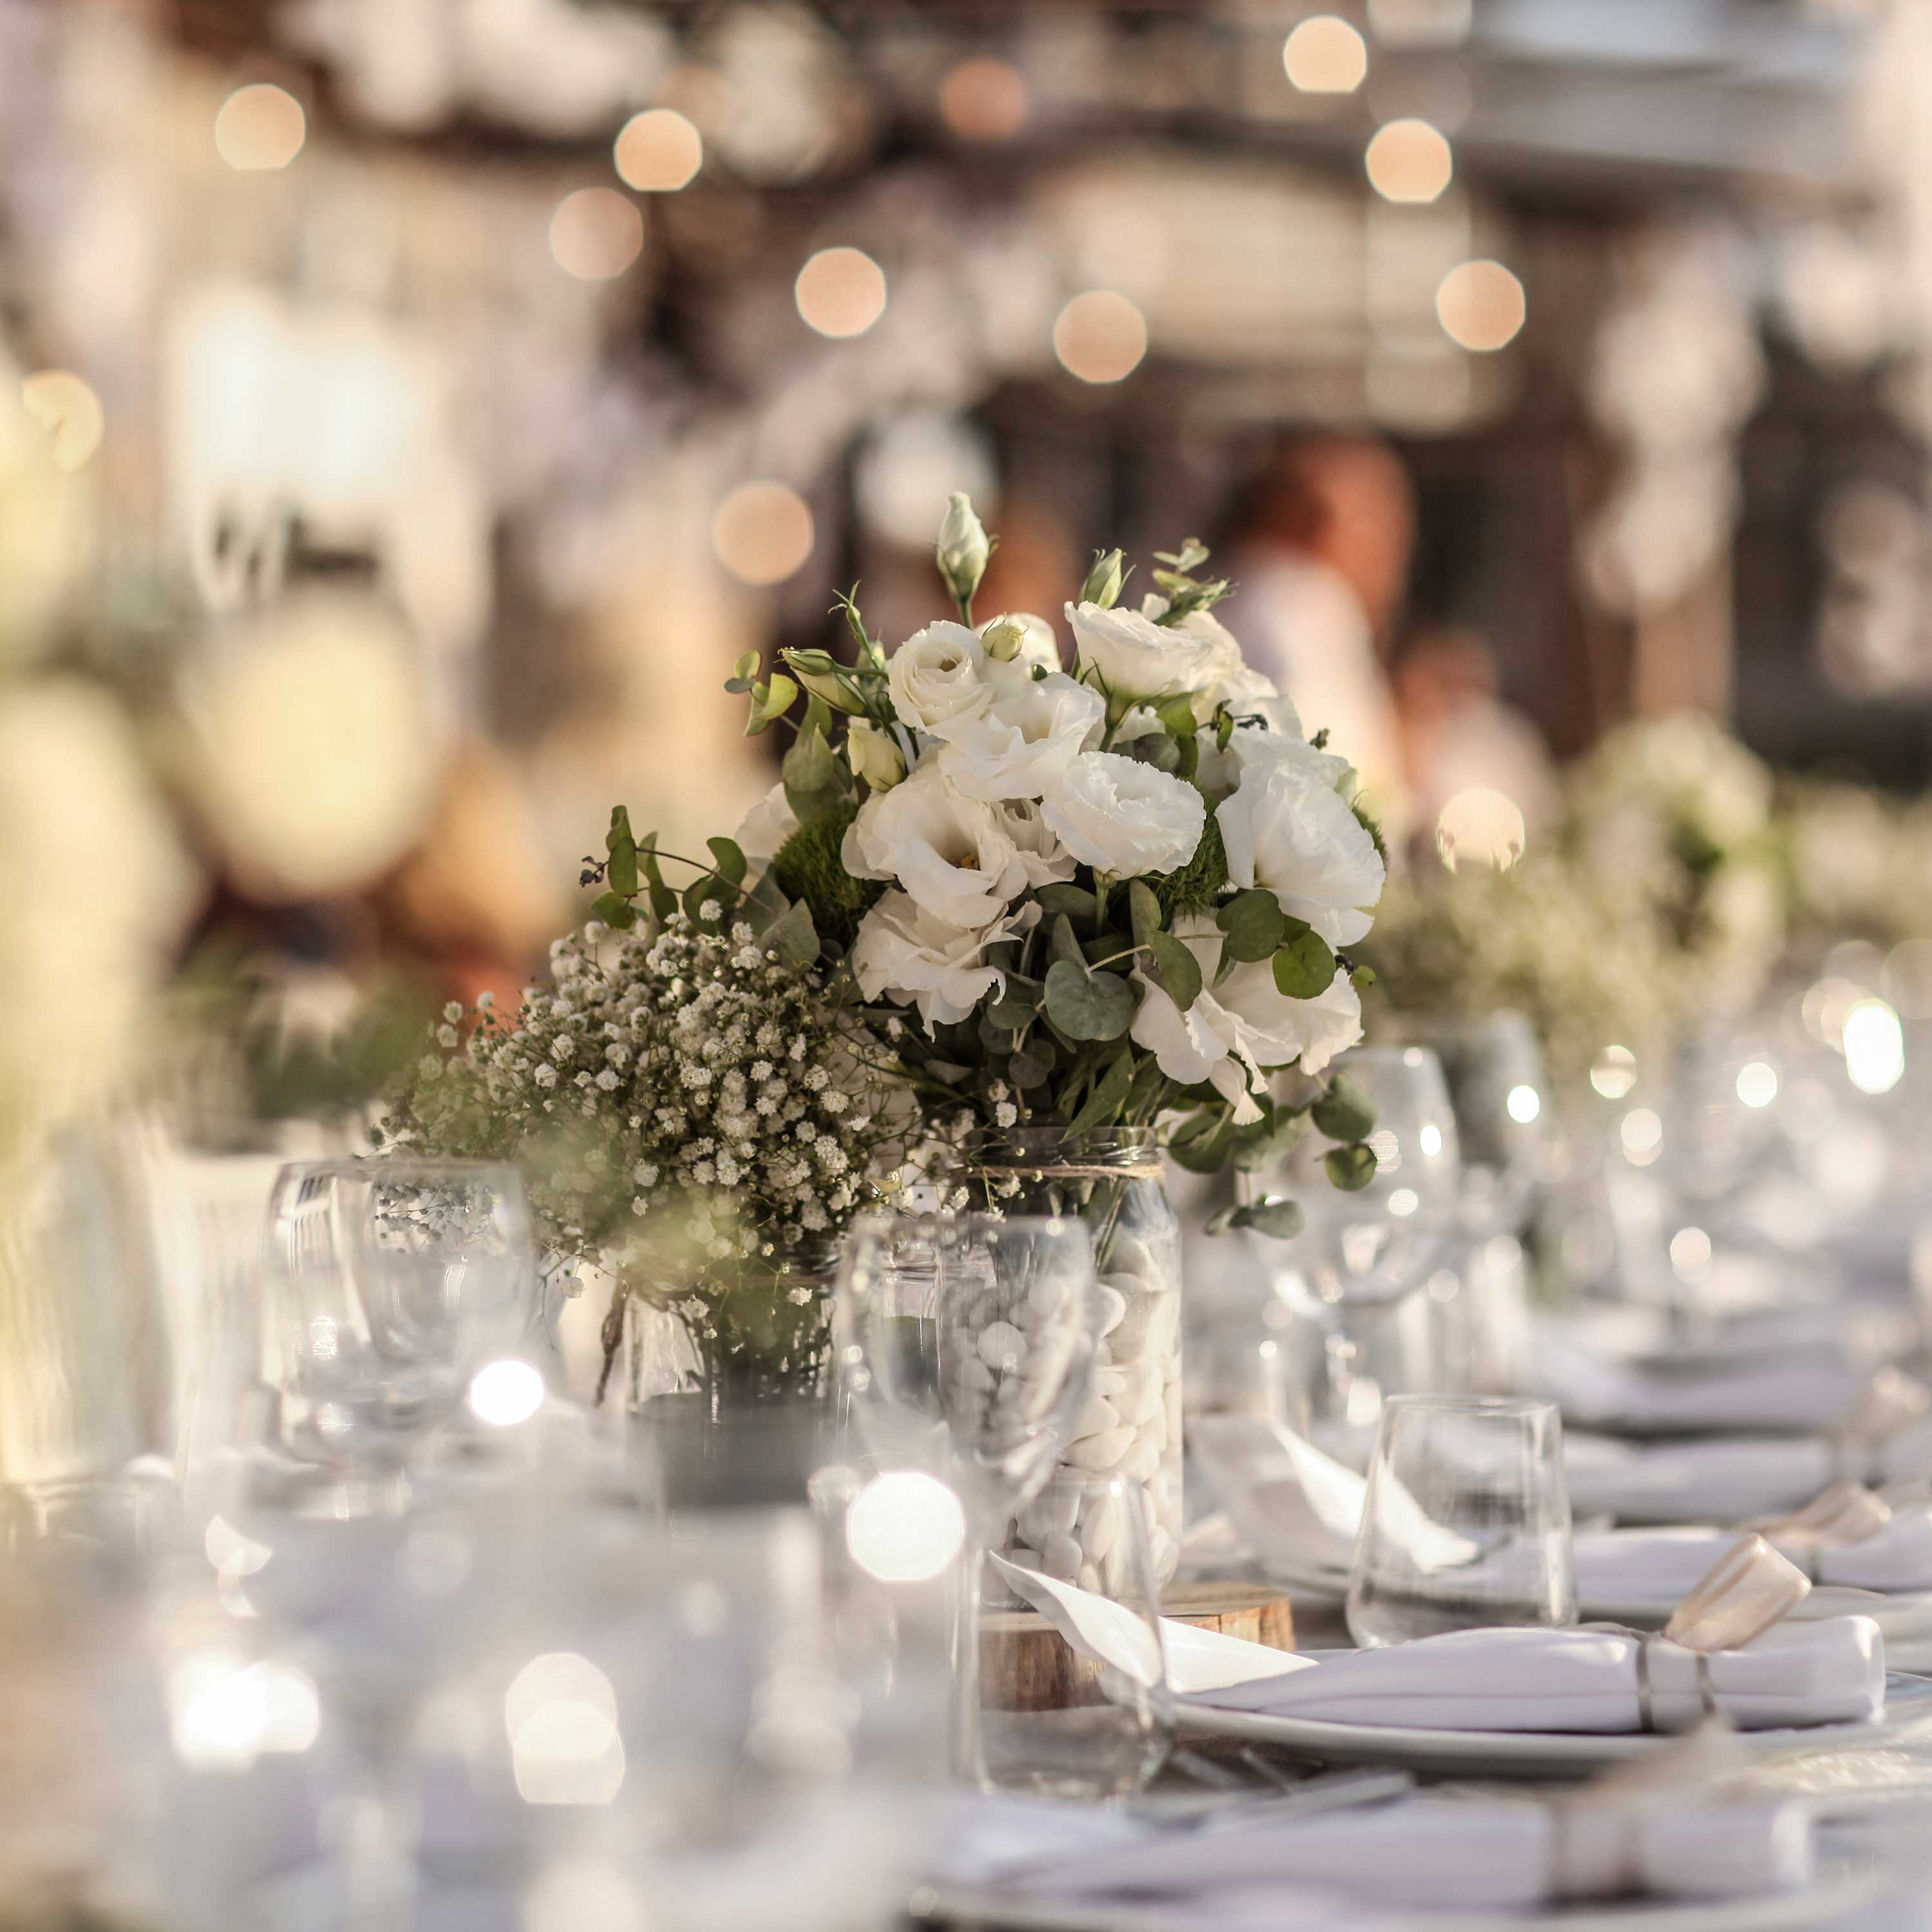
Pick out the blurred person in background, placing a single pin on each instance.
(1460, 737)
(1319, 547)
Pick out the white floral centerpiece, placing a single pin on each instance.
(990, 896)
(1673, 816)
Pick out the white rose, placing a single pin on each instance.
(1123, 817)
(1233, 1036)
(874, 754)
(1286, 830)
(905, 953)
(951, 852)
(1025, 740)
(1131, 656)
(935, 677)
(766, 826)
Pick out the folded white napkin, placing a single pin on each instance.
(1727, 1479)
(1504, 1855)
(1790, 1397)
(1641, 1566)
(1582, 1680)
(1296, 1507)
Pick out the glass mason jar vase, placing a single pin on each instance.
(1130, 1425)
(728, 1377)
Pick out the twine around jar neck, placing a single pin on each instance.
(1042, 1153)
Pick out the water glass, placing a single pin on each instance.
(1465, 1525)
(392, 1284)
(1053, 1719)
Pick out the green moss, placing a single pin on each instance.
(1198, 884)
(807, 867)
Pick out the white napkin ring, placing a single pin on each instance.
(1744, 1594)
(1845, 1513)
(1890, 1403)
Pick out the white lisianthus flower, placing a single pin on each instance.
(1025, 739)
(1233, 1036)
(874, 754)
(1131, 656)
(1046, 860)
(937, 677)
(906, 954)
(1286, 830)
(1123, 817)
(951, 852)
(1218, 772)
(766, 826)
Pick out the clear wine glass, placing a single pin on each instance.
(1500, 1088)
(1362, 1253)
(966, 1348)
(1465, 1524)
(396, 1287)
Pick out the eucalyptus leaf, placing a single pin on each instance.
(794, 938)
(1180, 971)
(1205, 1153)
(614, 910)
(1061, 944)
(1277, 1216)
(620, 832)
(1030, 1066)
(1144, 909)
(1304, 968)
(770, 703)
(1060, 899)
(621, 870)
(744, 673)
(1109, 1095)
(1254, 925)
(730, 861)
(816, 784)
(1017, 1004)
(1088, 1006)
(1344, 1112)
(1350, 1168)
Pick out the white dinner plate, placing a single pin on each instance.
(1526, 1754)
(1828, 1899)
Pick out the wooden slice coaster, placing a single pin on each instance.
(1025, 1665)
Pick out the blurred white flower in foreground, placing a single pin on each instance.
(98, 891)
(310, 746)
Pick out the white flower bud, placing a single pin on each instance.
(963, 547)
(875, 755)
(1005, 640)
(1103, 581)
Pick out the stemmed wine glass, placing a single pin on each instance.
(966, 1346)
(1371, 1249)
(396, 1287)
(1499, 1087)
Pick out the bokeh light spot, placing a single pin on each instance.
(1757, 1083)
(762, 533)
(1480, 305)
(841, 292)
(1100, 336)
(1408, 160)
(506, 1393)
(1480, 827)
(596, 234)
(1523, 1103)
(657, 151)
(984, 100)
(1614, 1073)
(67, 408)
(1324, 54)
(904, 1527)
(1874, 1047)
(260, 128)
